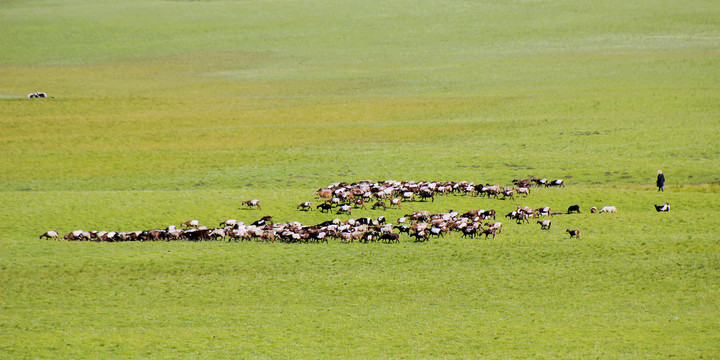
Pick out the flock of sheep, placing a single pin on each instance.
(342, 198)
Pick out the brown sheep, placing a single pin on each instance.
(324, 193)
(359, 203)
(390, 238)
(378, 205)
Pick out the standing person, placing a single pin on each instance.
(660, 181)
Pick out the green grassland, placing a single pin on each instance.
(166, 111)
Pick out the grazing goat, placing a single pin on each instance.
(545, 211)
(544, 225)
(370, 236)
(191, 224)
(359, 203)
(378, 205)
(489, 231)
(608, 209)
(573, 208)
(493, 190)
(50, 235)
(518, 216)
(522, 183)
(664, 208)
(324, 193)
(408, 195)
(486, 215)
(497, 226)
(403, 229)
(229, 222)
(262, 221)
(470, 231)
(508, 193)
(390, 237)
(420, 236)
(437, 232)
(558, 182)
(396, 202)
(243, 234)
(252, 203)
(386, 229)
(593, 210)
(525, 209)
(218, 234)
(324, 207)
(419, 216)
(268, 235)
(307, 206)
(575, 233)
(75, 235)
(426, 194)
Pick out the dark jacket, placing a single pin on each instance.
(661, 180)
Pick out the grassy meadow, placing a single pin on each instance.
(166, 111)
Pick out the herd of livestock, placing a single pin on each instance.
(342, 198)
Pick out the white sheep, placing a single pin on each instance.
(50, 235)
(229, 222)
(545, 224)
